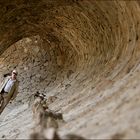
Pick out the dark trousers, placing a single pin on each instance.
(3, 96)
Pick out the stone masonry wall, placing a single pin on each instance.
(84, 52)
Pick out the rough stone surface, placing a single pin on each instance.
(84, 52)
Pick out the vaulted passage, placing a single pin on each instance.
(84, 52)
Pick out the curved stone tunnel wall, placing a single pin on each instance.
(84, 52)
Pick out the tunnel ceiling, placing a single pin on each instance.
(88, 29)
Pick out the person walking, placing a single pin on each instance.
(8, 90)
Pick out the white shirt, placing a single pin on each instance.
(9, 85)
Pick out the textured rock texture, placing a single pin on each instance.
(84, 52)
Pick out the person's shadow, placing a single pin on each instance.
(7, 74)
